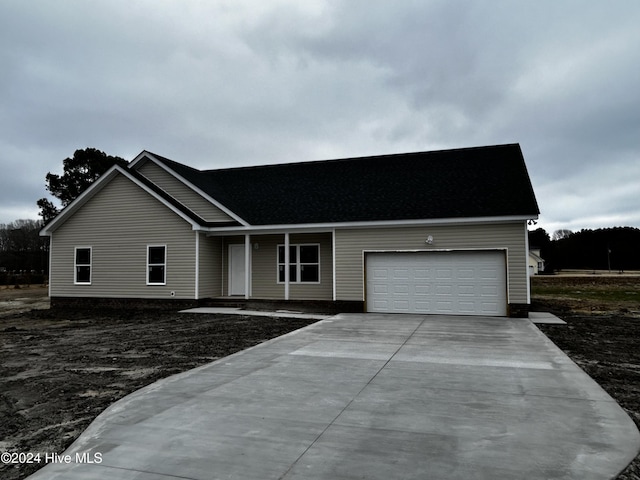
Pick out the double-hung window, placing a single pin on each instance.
(82, 264)
(304, 263)
(156, 264)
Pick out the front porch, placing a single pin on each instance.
(267, 267)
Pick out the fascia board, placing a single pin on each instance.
(98, 185)
(264, 229)
(141, 156)
(535, 257)
(194, 188)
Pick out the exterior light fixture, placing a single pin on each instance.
(429, 240)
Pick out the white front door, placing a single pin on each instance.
(236, 270)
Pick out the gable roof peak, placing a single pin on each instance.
(472, 182)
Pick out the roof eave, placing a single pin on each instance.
(264, 229)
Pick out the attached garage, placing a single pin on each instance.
(441, 232)
(465, 282)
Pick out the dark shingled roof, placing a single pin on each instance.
(470, 182)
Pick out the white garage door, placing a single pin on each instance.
(452, 283)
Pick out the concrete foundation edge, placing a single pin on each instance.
(307, 306)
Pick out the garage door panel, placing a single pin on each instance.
(422, 290)
(466, 274)
(490, 308)
(380, 288)
(467, 307)
(401, 306)
(445, 308)
(401, 289)
(467, 289)
(444, 274)
(489, 290)
(381, 305)
(464, 282)
(422, 307)
(489, 274)
(400, 274)
(381, 273)
(422, 274)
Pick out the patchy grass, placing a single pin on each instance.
(603, 294)
(601, 335)
(607, 289)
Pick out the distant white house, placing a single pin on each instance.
(536, 262)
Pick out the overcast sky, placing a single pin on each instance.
(233, 83)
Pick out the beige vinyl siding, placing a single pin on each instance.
(118, 223)
(264, 267)
(210, 262)
(350, 244)
(182, 193)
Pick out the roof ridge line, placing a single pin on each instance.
(347, 159)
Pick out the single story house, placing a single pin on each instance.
(536, 262)
(441, 232)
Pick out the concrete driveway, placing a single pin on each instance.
(367, 396)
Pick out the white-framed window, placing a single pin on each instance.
(82, 266)
(156, 264)
(304, 263)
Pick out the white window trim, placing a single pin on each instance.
(76, 265)
(157, 264)
(298, 264)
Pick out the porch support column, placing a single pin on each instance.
(526, 266)
(197, 265)
(287, 259)
(333, 261)
(247, 265)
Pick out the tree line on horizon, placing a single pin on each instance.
(615, 249)
(24, 255)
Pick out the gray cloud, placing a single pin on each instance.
(217, 84)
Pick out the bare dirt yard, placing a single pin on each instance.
(59, 369)
(602, 334)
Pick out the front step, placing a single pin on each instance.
(306, 306)
(222, 302)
